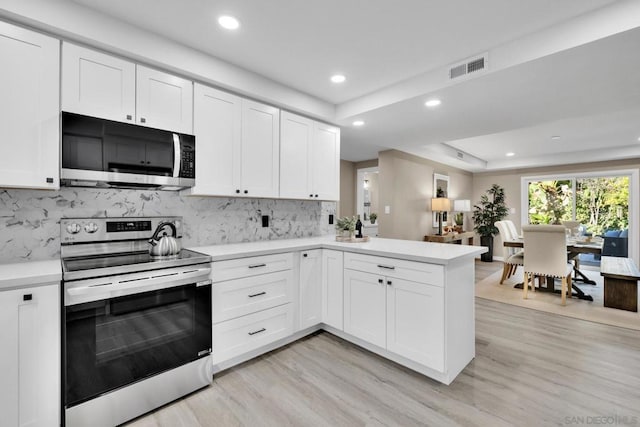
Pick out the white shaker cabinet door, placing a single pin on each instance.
(30, 357)
(325, 154)
(260, 150)
(99, 85)
(216, 125)
(415, 322)
(295, 156)
(164, 101)
(365, 306)
(332, 288)
(310, 288)
(29, 109)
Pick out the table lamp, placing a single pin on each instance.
(439, 205)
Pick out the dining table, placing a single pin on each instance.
(575, 247)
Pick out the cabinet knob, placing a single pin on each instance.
(310, 195)
(129, 117)
(304, 255)
(143, 120)
(380, 281)
(27, 297)
(49, 180)
(246, 191)
(316, 195)
(389, 282)
(237, 191)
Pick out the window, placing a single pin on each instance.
(599, 203)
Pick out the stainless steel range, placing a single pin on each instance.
(138, 326)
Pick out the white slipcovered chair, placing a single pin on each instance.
(512, 257)
(546, 248)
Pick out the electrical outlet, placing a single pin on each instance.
(330, 219)
(265, 220)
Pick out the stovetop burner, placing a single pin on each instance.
(97, 247)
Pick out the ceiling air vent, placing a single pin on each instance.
(468, 66)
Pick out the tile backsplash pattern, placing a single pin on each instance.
(30, 219)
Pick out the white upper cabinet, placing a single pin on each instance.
(325, 152)
(217, 127)
(29, 109)
(164, 101)
(309, 159)
(260, 150)
(97, 84)
(238, 145)
(100, 85)
(296, 134)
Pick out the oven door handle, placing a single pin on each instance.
(150, 281)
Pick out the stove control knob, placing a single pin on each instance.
(73, 228)
(91, 227)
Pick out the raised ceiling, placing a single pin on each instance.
(551, 71)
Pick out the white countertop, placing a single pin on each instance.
(28, 274)
(435, 253)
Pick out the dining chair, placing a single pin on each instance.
(512, 257)
(546, 249)
(512, 228)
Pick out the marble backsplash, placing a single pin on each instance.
(30, 219)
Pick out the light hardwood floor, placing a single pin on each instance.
(531, 369)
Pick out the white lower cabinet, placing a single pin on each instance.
(236, 337)
(415, 321)
(310, 288)
(332, 288)
(365, 307)
(30, 356)
(399, 315)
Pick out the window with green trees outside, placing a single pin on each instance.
(599, 203)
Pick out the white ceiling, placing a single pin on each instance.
(590, 94)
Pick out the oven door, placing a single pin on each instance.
(116, 341)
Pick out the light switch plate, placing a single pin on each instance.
(387, 209)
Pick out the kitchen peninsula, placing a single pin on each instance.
(411, 302)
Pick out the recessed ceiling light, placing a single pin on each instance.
(639, 138)
(555, 137)
(228, 22)
(510, 154)
(433, 103)
(358, 123)
(338, 78)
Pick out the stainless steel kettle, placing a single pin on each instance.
(164, 245)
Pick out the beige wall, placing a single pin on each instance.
(511, 181)
(347, 203)
(406, 186)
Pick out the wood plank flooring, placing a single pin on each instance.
(531, 369)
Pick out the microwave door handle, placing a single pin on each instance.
(143, 282)
(177, 155)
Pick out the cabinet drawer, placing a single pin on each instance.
(235, 298)
(238, 336)
(410, 270)
(252, 266)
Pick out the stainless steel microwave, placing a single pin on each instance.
(104, 153)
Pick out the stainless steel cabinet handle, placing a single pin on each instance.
(388, 267)
(257, 295)
(257, 332)
(257, 265)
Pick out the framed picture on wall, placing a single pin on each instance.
(440, 189)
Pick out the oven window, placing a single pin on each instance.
(112, 343)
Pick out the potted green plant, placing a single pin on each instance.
(491, 208)
(346, 226)
(373, 217)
